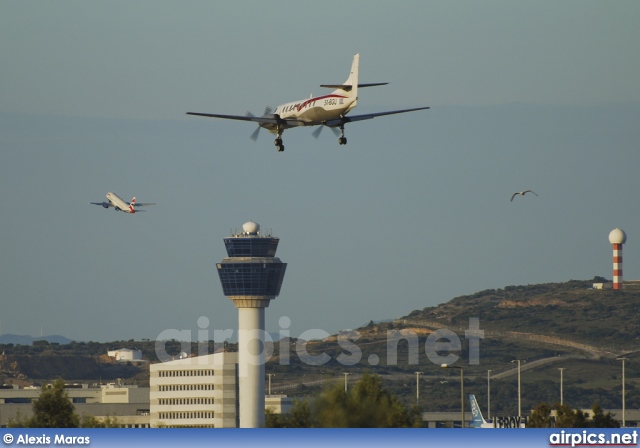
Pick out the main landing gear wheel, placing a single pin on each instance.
(279, 145)
(342, 140)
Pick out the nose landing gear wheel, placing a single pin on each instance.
(279, 145)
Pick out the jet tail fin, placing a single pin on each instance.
(477, 420)
(132, 205)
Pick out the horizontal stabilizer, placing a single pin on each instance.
(348, 87)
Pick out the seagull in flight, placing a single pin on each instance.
(522, 193)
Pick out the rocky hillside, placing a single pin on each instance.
(572, 311)
(70, 367)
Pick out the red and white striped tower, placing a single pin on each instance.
(617, 238)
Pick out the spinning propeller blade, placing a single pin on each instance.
(254, 135)
(317, 132)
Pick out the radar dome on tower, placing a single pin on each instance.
(617, 236)
(251, 228)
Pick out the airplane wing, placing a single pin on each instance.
(103, 204)
(273, 119)
(348, 119)
(142, 204)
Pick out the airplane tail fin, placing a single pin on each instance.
(352, 80)
(477, 420)
(350, 87)
(132, 205)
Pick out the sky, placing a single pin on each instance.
(413, 212)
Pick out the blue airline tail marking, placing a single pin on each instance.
(477, 420)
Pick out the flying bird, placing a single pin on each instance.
(522, 193)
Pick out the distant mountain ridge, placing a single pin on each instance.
(17, 339)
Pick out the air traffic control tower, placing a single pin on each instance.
(251, 276)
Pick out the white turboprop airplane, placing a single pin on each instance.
(327, 110)
(121, 205)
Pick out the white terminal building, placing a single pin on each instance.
(195, 392)
(200, 391)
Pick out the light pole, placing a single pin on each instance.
(270, 375)
(489, 394)
(346, 374)
(561, 369)
(519, 389)
(446, 366)
(624, 420)
(418, 387)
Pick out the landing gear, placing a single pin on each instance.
(278, 140)
(342, 140)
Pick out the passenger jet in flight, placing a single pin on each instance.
(326, 110)
(121, 205)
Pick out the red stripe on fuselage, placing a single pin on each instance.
(302, 105)
(324, 97)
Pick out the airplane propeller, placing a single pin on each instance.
(254, 135)
(317, 132)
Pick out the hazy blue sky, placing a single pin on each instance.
(412, 212)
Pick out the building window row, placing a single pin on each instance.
(197, 372)
(184, 415)
(177, 387)
(182, 401)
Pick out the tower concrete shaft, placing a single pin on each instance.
(617, 266)
(251, 276)
(251, 367)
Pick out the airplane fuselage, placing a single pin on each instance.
(316, 110)
(119, 203)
